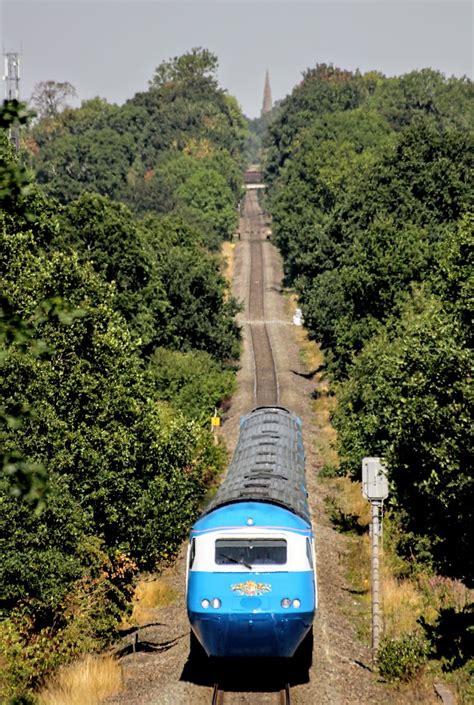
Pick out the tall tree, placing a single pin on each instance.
(50, 97)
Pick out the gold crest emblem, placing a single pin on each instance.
(251, 588)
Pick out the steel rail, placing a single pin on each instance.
(216, 695)
(223, 697)
(266, 387)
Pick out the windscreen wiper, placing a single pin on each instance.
(234, 560)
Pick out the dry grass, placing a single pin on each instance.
(402, 606)
(350, 501)
(228, 253)
(312, 357)
(150, 595)
(326, 435)
(310, 351)
(86, 682)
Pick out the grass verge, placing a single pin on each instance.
(150, 594)
(228, 253)
(427, 618)
(86, 682)
(324, 402)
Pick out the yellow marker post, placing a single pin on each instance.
(215, 424)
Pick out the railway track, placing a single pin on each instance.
(262, 686)
(266, 389)
(221, 696)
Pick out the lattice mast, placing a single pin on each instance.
(267, 95)
(12, 88)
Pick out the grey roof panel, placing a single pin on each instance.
(268, 463)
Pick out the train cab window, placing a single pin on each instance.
(309, 553)
(192, 553)
(250, 552)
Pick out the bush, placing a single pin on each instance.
(191, 382)
(400, 659)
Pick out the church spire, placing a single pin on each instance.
(267, 95)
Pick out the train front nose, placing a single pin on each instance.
(257, 615)
(248, 634)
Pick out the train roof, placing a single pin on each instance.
(262, 515)
(268, 463)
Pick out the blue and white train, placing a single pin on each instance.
(251, 578)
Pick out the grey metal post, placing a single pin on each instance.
(375, 489)
(376, 616)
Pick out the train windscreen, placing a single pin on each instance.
(249, 552)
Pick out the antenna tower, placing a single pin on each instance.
(12, 88)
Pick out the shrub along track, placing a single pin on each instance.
(160, 671)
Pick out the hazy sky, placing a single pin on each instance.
(111, 47)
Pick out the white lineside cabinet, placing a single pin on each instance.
(374, 479)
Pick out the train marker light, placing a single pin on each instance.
(296, 603)
(205, 603)
(216, 603)
(286, 602)
(250, 521)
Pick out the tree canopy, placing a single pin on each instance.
(371, 197)
(116, 334)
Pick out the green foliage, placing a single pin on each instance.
(40, 560)
(85, 620)
(198, 65)
(14, 179)
(193, 382)
(324, 89)
(200, 313)
(199, 186)
(13, 112)
(368, 229)
(408, 399)
(184, 103)
(448, 101)
(107, 439)
(200, 317)
(94, 421)
(105, 234)
(98, 160)
(123, 469)
(371, 198)
(400, 659)
(257, 129)
(116, 150)
(208, 203)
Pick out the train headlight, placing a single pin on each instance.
(286, 602)
(216, 603)
(205, 603)
(296, 603)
